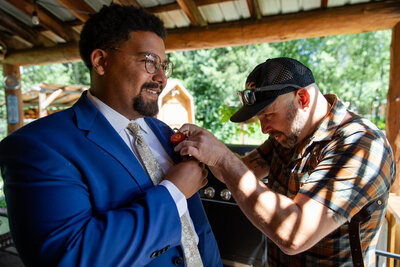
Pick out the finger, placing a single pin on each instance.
(188, 131)
(184, 143)
(185, 127)
(189, 150)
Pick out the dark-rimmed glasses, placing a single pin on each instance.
(248, 96)
(153, 62)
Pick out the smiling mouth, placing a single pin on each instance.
(152, 91)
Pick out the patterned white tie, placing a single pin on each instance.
(190, 249)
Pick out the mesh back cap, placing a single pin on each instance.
(288, 72)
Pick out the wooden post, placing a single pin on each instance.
(15, 110)
(42, 108)
(393, 100)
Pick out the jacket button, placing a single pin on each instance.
(178, 260)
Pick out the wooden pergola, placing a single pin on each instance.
(55, 40)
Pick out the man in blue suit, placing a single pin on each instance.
(77, 193)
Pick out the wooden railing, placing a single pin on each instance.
(393, 219)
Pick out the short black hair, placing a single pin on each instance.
(113, 25)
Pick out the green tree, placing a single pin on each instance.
(355, 67)
(66, 73)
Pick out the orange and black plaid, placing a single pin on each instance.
(343, 166)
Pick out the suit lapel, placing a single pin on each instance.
(103, 134)
(163, 133)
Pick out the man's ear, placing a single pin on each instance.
(304, 97)
(98, 58)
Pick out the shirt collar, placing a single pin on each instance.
(324, 132)
(333, 119)
(116, 119)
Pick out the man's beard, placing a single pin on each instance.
(145, 108)
(296, 124)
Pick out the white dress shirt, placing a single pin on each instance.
(119, 123)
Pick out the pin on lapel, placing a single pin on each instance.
(178, 136)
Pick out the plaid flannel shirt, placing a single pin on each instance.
(343, 166)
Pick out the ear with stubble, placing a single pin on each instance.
(98, 58)
(303, 97)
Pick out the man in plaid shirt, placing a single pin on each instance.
(323, 164)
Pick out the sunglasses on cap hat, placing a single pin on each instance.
(248, 97)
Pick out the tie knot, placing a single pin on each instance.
(134, 128)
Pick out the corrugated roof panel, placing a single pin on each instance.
(290, 6)
(179, 18)
(57, 10)
(333, 3)
(212, 13)
(52, 36)
(153, 3)
(78, 28)
(168, 22)
(311, 4)
(148, 3)
(229, 11)
(270, 7)
(242, 8)
(164, 2)
(98, 4)
(9, 9)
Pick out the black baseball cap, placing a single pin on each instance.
(271, 79)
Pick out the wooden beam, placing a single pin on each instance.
(47, 20)
(163, 8)
(78, 8)
(393, 100)
(128, 3)
(324, 3)
(15, 112)
(279, 28)
(193, 13)
(16, 27)
(254, 9)
(51, 55)
(49, 99)
(12, 41)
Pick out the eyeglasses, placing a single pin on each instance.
(153, 62)
(248, 96)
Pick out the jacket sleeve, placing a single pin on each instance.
(53, 220)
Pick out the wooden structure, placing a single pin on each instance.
(45, 98)
(199, 24)
(176, 105)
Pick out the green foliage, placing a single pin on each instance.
(67, 73)
(213, 77)
(3, 114)
(3, 203)
(2, 199)
(355, 67)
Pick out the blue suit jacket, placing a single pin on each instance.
(77, 196)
